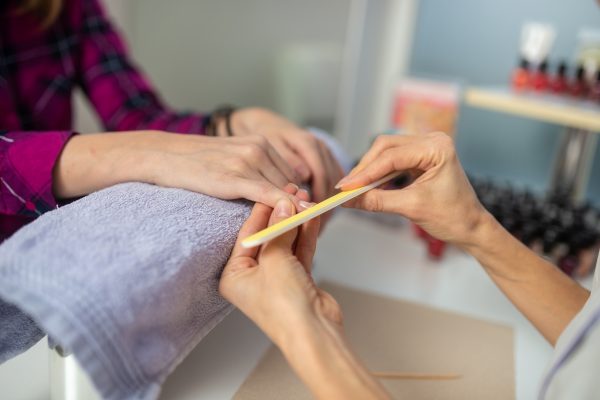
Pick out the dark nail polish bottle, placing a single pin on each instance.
(540, 78)
(569, 263)
(521, 77)
(579, 86)
(594, 92)
(559, 83)
(436, 248)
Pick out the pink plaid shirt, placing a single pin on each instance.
(38, 71)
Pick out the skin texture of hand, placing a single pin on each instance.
(227, 168)
(441, 199)
(308, 156)
(280, 268)
(273, 287)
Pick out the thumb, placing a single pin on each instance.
(282, 245)
(400, 201)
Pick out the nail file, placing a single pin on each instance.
(290, 223)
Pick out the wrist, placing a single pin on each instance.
(245, 121)
(317, 351)
(483, 234)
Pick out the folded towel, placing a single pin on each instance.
(126, 279)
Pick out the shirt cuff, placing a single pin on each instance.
(26, 171)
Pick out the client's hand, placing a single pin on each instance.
(272, 285)
(441, 199)
(307, 155)
(227, 168)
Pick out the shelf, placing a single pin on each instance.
(559, 110)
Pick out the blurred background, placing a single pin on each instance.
(487, 72)
(334, 65)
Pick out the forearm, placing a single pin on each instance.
(319, 355)
(93, 162)
(546, 296)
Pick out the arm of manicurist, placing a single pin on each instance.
(442, 201)
(301, 319)
(541, 291)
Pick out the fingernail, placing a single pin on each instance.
(294, 186)
(303, 192)
(305, 204)
(283, 208)
(341, 182)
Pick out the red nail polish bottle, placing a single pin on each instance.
(540, 78)
(579, 85)
(521, 77)
(559, 83)
(594, 93)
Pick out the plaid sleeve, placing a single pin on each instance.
(26, 163)
(123, 98)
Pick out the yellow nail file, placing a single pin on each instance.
(290, 223)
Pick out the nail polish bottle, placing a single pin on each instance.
(579, 85)
(594, 92)
(521, 76)
(587, 255)
(540, 78)
(435, 248)
(569, 263)
(559, 83)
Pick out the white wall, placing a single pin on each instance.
(202, 53)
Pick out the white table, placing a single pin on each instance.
(354, 251)
(358, 252)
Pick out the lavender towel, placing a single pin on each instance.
(125, 278)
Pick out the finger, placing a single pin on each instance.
(271, 173)
(401, 201)
(309, 151)
(381, 144)
(307, 243)
(390, 160)
(258, 219)
(298, 169)
(274, 150)
(291, 188)
(336, 170)
(282, 245)
(259, 190)
(303, 195)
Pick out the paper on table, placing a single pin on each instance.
(395, 335)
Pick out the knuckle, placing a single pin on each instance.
(373, 202)
(259, 140)
(254, 152)
(312, 140)
(237, 164)
(380, 141)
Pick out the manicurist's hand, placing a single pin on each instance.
(227, 168)
(441, 199)
(308, 156)
(273, 286)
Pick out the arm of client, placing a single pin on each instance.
(302, 320)
(442, 201)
